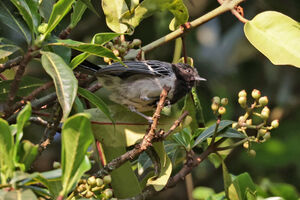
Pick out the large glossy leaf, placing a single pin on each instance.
(149, 7)
(7, 50)
(13, 22)
(77, 136)
(159, 182)
(113, 10)
(22, 119)
(29, 11)
(19, 194)
(211, 130)
(94, 49)
(64, 80)
(241, 185)
(60, 9)
(97, 101)
(6, 151)
(276, 36)
(78, 11)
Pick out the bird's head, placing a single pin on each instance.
(187, 74)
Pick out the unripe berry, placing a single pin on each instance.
(106, 59)
(246, 145)
(56, 165)
(255, 94)
(116, 52)
(216, 100)
(261, 132)
(91, 180)
(222, 110)
(267, 136)
(89, 194)
(263, 100)
(265, 113)
(107, 179)
(242, 101)
(99, 181)
(214, 106)
(136, 42)
(81, 188)
(242, 93)
(252, 153)
(108, 193)
(275, 123)
(224, 101)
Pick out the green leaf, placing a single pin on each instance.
(78, 11)
(27, 85)
(241, 185)
(231, 133)
(276, 36)
(94, 49)
(60, 9)
(46, 8)
(52, 184)
(149, 7)
(29, 10)
(90, 6)
(202, 192)
(159, 182)
(6, 151)
(226, 178)
(7, 50)
(210, 131)
(64, 80)
(78, 59)
(184, 138)
(13, 22)
(113, 10)
(77, 136)
(97, 101)
(22, 119)
(19, 194)
(28, 153)
(284, 190)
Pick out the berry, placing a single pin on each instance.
(263, 100)
(214, 106)
(107, 179)
(108, 193)
(242, 93)
(91, 180)
(222, 110)
(255, 94)
(224, 101)
(265, 113)
(99, 181)
(252, 153)
(242, 101)
(216, 100)
(275, 123)
(246, 145)
(267, 136)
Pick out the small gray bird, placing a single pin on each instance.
(138, 86)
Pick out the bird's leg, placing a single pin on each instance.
(148, 118)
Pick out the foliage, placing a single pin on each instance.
(159, 159)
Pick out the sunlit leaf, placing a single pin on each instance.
(77, 136)
(78, 11)
(63, 78)
(113, 10)
(28, 152)
(276, 36)
(19, 194)
(60, 9)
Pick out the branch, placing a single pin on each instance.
(11, 63)
(143, 145)
(227, 5)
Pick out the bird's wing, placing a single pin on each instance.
(148, 67)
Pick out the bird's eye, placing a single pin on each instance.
(188, 70)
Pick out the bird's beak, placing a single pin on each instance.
(198, 78)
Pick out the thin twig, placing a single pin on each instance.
(175, 125)
(11, 63)
(143, 145)
(236, 13)
(227, 5)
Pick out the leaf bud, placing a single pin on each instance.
(42, 28)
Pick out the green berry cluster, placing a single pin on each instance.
(218, 105)
(259, 109)
(94, 187)
(120, 47)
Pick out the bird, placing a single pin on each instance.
(138, 84)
